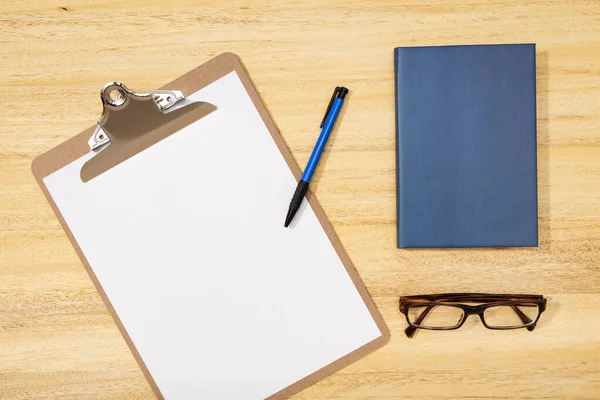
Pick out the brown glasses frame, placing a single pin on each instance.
(457, 299)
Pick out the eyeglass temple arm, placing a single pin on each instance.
(410, 331)
(524, 318)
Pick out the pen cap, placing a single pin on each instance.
(340, 92)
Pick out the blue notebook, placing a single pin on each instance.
(466, 146)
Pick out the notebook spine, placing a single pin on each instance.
(399, 179)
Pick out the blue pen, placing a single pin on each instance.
(333, 109)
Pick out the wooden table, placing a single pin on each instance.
(58, 341)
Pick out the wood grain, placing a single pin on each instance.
(57, 340)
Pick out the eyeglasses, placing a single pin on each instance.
(450, 310)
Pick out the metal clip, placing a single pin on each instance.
(115, 95)
(166, 99)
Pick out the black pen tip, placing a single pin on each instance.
(296, 202)
(289, 217)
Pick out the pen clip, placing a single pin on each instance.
(335, 93)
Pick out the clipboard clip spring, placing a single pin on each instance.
(116, 95)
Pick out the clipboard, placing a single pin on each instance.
(127, 145)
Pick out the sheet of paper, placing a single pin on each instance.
(187, 240)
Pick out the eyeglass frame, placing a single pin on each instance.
(454, 299)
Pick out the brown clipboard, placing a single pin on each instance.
(189, 83)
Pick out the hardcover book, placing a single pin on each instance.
(466, 146)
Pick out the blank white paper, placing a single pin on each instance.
(187, 240)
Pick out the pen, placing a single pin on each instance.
(333, 109)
